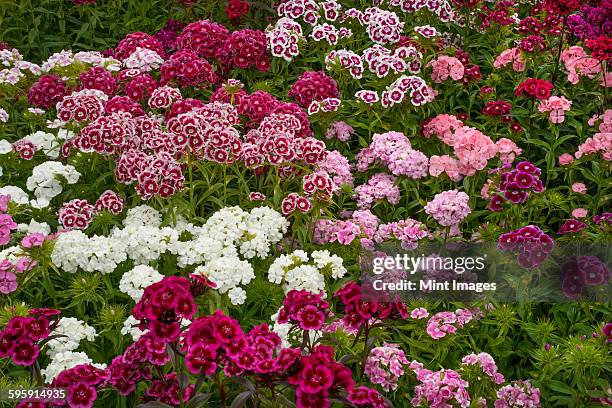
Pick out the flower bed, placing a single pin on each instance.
(190, 217)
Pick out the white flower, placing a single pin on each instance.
(45, 181)
(46, 142)
(137, 279)
(72, 331)
(34, 226)
(237, 295)
(5, 146)
(4, 116)
(130, 326)
(64, 361)
(18, 196)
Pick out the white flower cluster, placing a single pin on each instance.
(5, 145)
(15, 64)
(18, 196)
(67, 360)
(45, 181)
(296, 271)
(144, 60)
(61, 349)
(47, 142)
(216, 247)
(136, 280)
(65, 58)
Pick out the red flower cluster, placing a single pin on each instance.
(81, 382)
(601, 48)
(168, 390)
(562, 7)
(158, 174)
(530, 245)
(98, 78)
(25, 149)
(123, 104)
(532, 43)
(293, 202)
(106, 135)
(516, 185)
(141, 87)
(313, 86)
(358, 310)
(111, 202)
(126, 370)
(236, 9)
(204, 38)
(571, 227)
(534, 88)
(304, 309)
(128, 45)
(497, 109)
(187, 69)
(18, 340)
(246, 48)
(318, 183)
(76, 214)
(163, 97)
(318, 376)
(47, 91)
(163, 305)
(80, 106)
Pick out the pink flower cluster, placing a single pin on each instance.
(313, 86)
(530, 245)
(486, 363)
(518, 394)
(443, 388)
(384, 365)
(394, 150)
(472, 148)
(338, 167)
(304, 309)
(510, 56)
(19, 339)
(599, 143)
(557, 106)
(6, 220)
(449, 208)
(378, 187)
(579, 64)
(76, 214)
(407, 232)
(445, 67)
(447, 322)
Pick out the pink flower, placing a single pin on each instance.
(449, 207)
(419, 313)
(512, 55)
(579, 188)
(565, 159)
(579, 213)
(557, 106)
(4, 201)
(8, 282)
(508, 150)
(446, 67)
(35, 239)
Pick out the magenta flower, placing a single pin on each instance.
(8, 282)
